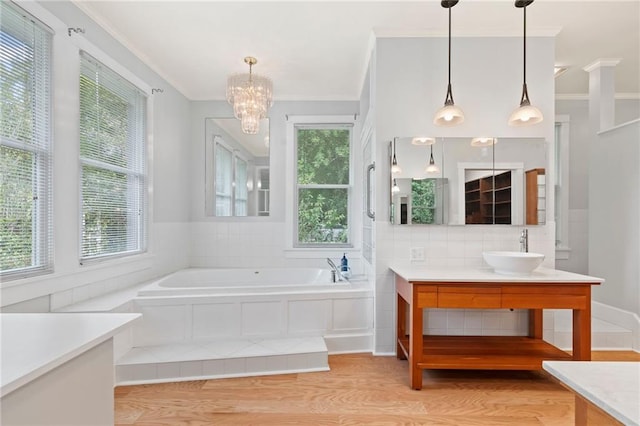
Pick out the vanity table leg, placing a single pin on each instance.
(415, 345)
(582, 334)
(401, 326)
(535, 323)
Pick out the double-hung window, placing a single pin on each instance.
(323, 184)
(231, 177)
(113, 159)
(26, 242)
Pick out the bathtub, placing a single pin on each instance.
(216, 304)
(227, 281)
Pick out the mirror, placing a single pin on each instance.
(236, 169)
(496, 181)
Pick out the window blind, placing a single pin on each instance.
(26, 241)
(113, 159)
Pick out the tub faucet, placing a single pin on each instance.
(524, 241)
(335, 272)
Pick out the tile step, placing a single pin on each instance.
(219, 359)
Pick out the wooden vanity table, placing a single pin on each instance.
(420, 287)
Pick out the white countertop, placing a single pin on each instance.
(34, 344)
(612, 386)
(425, 273)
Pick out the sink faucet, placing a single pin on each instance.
(524, 241)
(335, 272)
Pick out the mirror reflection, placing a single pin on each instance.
(236, 169)
(471, 181)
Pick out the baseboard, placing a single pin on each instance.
(619, 317)
(349, 343)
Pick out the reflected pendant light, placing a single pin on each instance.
(395, 169)
(526, 114)
(432, 168)
(395, 188)
(251, 95)
(449, 114)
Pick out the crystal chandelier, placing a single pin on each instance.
(251, 95)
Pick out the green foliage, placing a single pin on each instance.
(323, 156)
(16, 211)
(104, 211)
(423, 196)
(323, 160)
(322, 216)
(104, 124)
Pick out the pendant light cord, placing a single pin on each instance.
(524, 42)
(449, 98)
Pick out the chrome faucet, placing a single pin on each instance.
(336, 275)
(524, 241)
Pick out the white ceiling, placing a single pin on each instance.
(319, 50)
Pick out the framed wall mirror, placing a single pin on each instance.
(237, 174)
(472, 181)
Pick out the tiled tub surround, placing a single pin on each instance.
(253, 331)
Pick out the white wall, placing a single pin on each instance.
(578, 113)
(614, 216)
(169, 164)
(410, 85)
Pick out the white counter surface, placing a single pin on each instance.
(612, 386)
(424, 273)
(34, 344)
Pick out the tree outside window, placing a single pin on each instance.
(323, 184)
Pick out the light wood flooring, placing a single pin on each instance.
(360, 389)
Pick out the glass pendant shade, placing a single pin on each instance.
(449, 115)
(251, 96)
(480, 142)
(525, 115)
(395, 188)
(431, 167)
(394, 166)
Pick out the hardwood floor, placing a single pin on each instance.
(360, 389)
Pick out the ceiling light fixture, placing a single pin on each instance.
(526, 114)
(394, 163)
(449, 114)
(432, 168)
(251, 95)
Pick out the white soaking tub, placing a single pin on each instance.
(202, 281)
(200, 304)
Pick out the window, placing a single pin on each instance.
(323, 184)
(26, 243)
(231, 180)
(112, 155)
(423, 201)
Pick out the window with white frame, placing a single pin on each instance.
(323, 184)
(26, 241)
(231, 179)
(113, 158)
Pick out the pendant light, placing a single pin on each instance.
(395, 169)
(432, 168)
(449, 114)
(526, 114)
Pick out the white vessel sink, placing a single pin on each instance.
(513, 262)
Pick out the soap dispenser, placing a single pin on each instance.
(344, 263)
